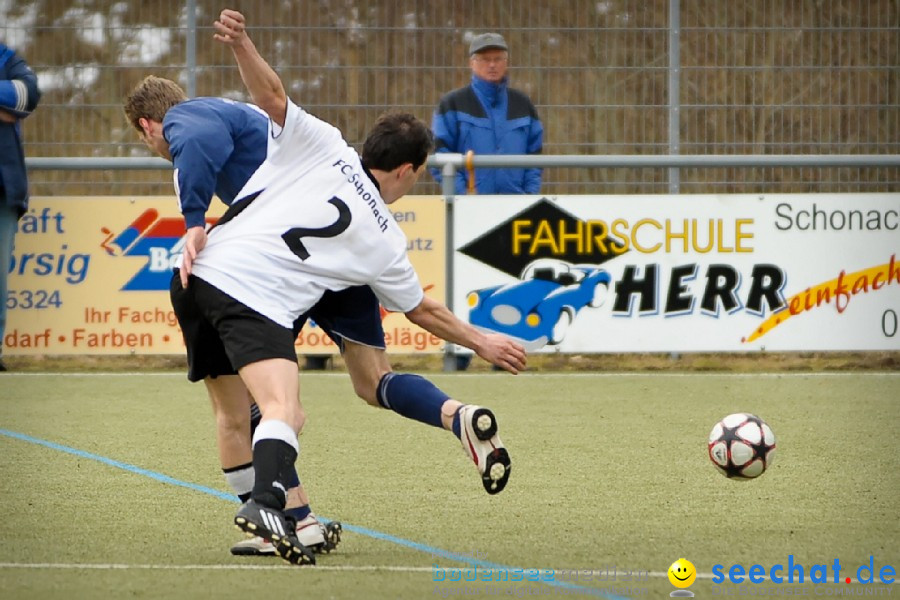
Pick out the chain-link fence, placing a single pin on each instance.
(762, 77)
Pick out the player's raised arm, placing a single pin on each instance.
(262, 82)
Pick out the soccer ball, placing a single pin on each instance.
(741, 446)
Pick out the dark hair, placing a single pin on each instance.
(396, 139)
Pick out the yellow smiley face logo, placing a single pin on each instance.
(682, 573)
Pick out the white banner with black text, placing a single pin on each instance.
(681, 273)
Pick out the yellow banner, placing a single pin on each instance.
(90, 275)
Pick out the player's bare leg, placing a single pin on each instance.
(366, 366)
(275, 386)
(416, 398)
(231, 406)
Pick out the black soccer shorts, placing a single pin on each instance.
(223, 335)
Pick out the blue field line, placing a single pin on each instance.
(119, 465)
(378, 535)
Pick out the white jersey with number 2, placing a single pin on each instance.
(317, 222)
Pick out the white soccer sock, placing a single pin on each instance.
(240, 479)
(273, 429)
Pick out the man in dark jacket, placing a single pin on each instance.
(19, 96)
(488, 117)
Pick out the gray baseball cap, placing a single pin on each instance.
(486, 41)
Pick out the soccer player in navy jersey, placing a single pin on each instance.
(215, 145)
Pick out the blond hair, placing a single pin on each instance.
(151, 99)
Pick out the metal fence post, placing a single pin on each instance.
(191, 48)
(448, 188)
(674, 91)
(674, 101)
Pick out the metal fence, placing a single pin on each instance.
(609, 77)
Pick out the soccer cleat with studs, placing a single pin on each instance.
(478, 435)
(333, 531)
(268, 523)
(319, 538)
(291, 550)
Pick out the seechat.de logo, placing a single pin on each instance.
(794, 572)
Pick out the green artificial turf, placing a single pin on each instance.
(610, 478)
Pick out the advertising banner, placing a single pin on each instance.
(90, 275)
(681, 273)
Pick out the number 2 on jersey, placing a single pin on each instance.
(292, 237)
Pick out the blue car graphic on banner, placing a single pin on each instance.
(539, 308)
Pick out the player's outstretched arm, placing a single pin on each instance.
(262, 82)
(494, 348)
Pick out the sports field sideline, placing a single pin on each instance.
(111, 487)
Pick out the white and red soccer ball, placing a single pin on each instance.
(741, 446)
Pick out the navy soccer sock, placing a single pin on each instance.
(255, 418)
(299, 513)
(412, 396)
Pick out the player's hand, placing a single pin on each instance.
(194, 242)
(231, 28)
(501, 351)
(7, 117)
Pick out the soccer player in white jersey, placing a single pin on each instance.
(312, 218)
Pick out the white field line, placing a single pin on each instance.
(655, 374)
(271, 567)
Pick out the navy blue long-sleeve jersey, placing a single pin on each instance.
(216, 145)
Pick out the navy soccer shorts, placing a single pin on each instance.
(352, 314)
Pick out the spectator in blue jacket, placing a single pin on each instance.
(19, 95)
(489, 117)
